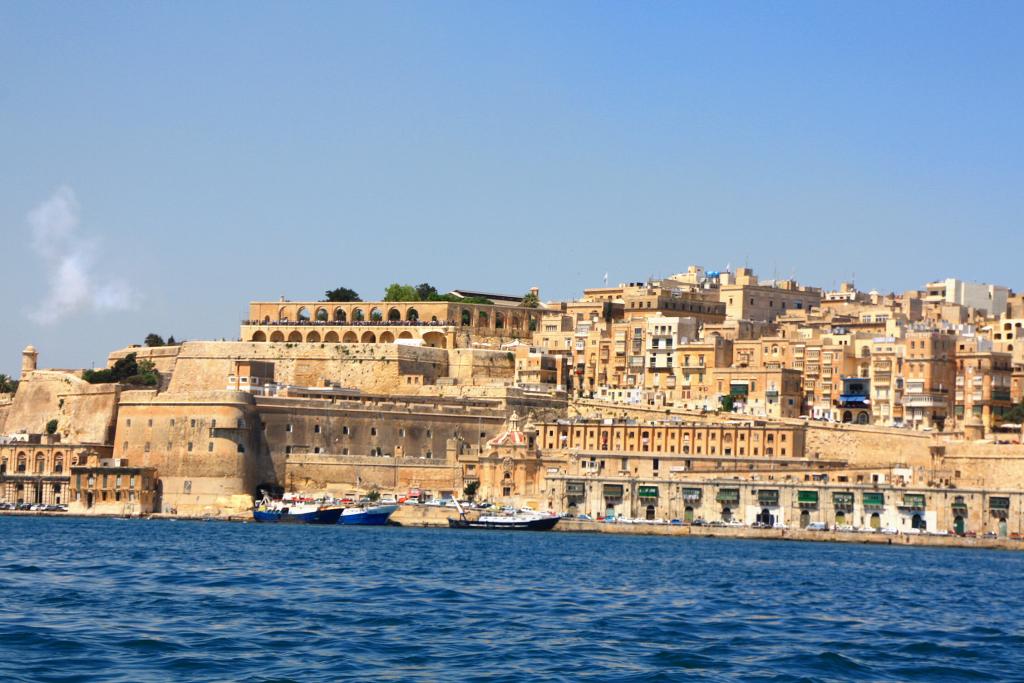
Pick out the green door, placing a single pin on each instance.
(958, 525)
(876, 521)
(688, 514)
(840, 518)
(1002, 528)
(805, 519)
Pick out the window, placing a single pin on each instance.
(128, 422)
(288, 427)
(146, 449)
(209, 447)
(149, 422)
(401, 432)
(187, 487)
(316, 429)
(373, 431)
(124, 447)
(189, 446)
(193, 422)
(172, 421)
(241, 448)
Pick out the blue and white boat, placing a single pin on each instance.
(371, 515)
(296, 511)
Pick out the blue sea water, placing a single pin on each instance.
(118, 600)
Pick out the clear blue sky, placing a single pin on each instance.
(190, 157)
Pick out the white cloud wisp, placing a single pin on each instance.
(70, 262)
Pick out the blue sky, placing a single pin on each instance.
(165, 163)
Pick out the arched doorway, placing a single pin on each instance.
(805, 519)
(840, 518)
(435, 339)
(862, 418)
(386, 337)
(726, 514)
(917, 522)
(959, 526)
(277, 336)
(650, 512)
(467, 318)
(394, 315)
(766, 517)
(405, 334)
(339, 315)
(295, 336)
(847, 416)
(688, 513)
(313, 337)
(412, 315)
(368, 338)
(1002, 528)
(350, 337)
(876, 520)
(259, 336)
(331, 336)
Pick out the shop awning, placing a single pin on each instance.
(647, 491)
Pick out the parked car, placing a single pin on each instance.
(845, 527)
(585, 518)
(676, 522)
(23, 506)
(780, 525)
(817, 526)
(699, 522)
(891, 530)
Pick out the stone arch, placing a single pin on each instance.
(282, 314)
(394, 315)
(22, 462)
(302, 315)
(386, 337)
(405, 334)
(331, 337)
(499, 320)
(435, 339)
(322, 315)
(483, 319)
(467, 317)
(295, 336)
(58, 462)
(339, 315)
(412, 315)
(277, 336)
(313, 337)
(350, 338)
(40, 463)
(369, 338)
(259, 336)
(266, 320)
(358, 315)
(376, 315)
(517, 321)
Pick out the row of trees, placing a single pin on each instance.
(153, 339)
(126, 370)
(421, 292)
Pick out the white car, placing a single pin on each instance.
(845, 527)
(780, 525)
(891, 530)
(734, 523)
(817, 526)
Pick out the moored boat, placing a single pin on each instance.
(296, 511)
(371, 515)
(518, 521)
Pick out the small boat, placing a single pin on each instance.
(296, 511)
(518, 521)
(371, 515)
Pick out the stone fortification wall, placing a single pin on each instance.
(340, 475)
(85, 413)
(481, 366)
(867, 446)
(381, 368)
(979, 464)
(206, 446)
(162, 357)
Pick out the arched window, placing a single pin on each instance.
(22, 462)
(358, 315)
(303, 314)
(499, 320)
(412, 315)
(482, 319)
(322, 315)
(40, 463)
(376, 315)
(58, 463)
(467, 317)
(394, 315)
(339, 315)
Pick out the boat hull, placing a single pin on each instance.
(374, 516)
(542, 524)
(321, 516)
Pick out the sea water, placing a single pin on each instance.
(120, 600)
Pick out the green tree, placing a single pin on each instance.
(530, 300)
(342, 294)
(397, 292)
(727, 403)
(51, 427)
(7, 385)
(471, 489)
(373, 495)
(425, 291)
(171, 342)
(153, 339)
(1015, 415)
